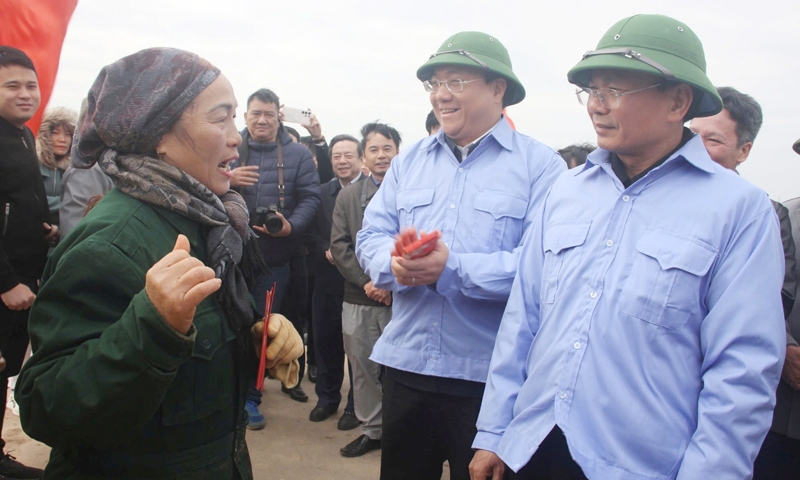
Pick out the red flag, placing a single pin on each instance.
(38, 27)
(510, 122)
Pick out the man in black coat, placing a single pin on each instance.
(274, 173)
(346, 156)
(25, 232)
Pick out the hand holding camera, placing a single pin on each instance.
(271, 221)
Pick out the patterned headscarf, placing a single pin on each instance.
(131, 105)
(135, 100)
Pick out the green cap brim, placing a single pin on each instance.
(515, 92)
(685, 72)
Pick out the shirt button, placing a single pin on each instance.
(446, 244)
(609, 243)
(562, 395)
(452, 205)
(460, 169)
(435, 324)
(206, 344)
(593, 294)
(577, 345)
(625, 198)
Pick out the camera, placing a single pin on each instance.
(268, 217)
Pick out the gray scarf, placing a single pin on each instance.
(232, 252)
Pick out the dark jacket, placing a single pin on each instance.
(23, 208)
(786, 418)
(347, 219)
(301, 190)
(328, 279)
(111, 387)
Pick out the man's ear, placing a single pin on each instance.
(500, 85)
(682, 96)
(744, 152)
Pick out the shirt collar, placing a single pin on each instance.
(354, 180)
(693, 151)
(501, 132)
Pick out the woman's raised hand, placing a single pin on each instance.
(177, 283)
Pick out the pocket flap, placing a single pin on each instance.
(212, 333)
(500, 204)
(672, 251)
(410, 198)
(565, 235)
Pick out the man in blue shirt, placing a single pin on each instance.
(480, 184)
(644, 334)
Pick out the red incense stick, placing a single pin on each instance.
(262, 363)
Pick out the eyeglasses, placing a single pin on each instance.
(453, 86)
(608, 97)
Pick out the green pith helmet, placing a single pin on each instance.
(654, 44)
(476, 49)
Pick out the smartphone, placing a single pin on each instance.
(296, 115)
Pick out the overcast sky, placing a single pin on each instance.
(354, 61)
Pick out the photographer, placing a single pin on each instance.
(289, 194)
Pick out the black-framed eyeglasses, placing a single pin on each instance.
(453, 86)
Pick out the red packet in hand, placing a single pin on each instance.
(422, 246)
(410, 247)
(262, 363)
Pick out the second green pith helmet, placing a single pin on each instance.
(654, 44)
(476, 49)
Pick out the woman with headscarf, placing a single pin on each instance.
(53, 144)
(142, 326)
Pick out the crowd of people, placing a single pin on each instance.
(619, 311)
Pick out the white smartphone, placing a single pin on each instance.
(296, 115)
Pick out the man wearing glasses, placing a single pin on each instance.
(644, 334)
(480, 184)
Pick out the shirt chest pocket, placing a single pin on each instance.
(205, 383)
(499, 219)
(562, 244)
(409, 201)
(665, 282)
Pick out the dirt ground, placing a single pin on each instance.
(290, 447)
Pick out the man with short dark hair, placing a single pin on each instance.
(24, 231)
(728, 136)
(366, 309)
(276, 177)
(575, 155)
(329, 288)
(432, 123)
(479, 183)
(644, 334)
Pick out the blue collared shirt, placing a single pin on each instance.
(482, 207)
(646, 322)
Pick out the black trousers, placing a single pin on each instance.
(552, 461)
(421, 430)
(779, 458)
(329, 350)
(294, 305)
(13, 344)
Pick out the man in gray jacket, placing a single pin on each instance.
(366, 309)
